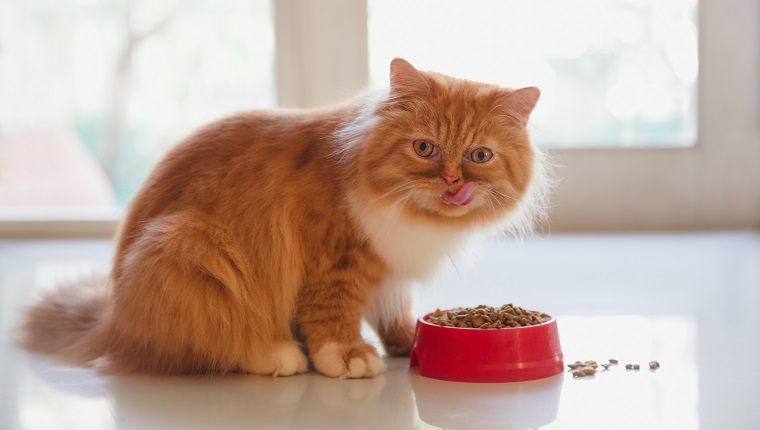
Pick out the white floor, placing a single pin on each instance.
(690, 301)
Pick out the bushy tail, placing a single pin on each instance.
(65, 322)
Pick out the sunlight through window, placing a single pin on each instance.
(93, 92)
(613, 73)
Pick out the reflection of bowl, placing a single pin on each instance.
(514, 406)
(487, 355)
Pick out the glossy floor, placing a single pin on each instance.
(689, 301)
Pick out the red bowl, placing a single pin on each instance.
(508, 354)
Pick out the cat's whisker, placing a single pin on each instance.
(512, 199)
(516, 201)
(492, 199)
(497, 193)
(401, 188)
(489, 200)
(390, 192)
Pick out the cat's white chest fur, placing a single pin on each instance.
(412, 249)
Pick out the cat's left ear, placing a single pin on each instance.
(405, 79)
(520, 103)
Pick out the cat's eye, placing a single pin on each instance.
(481, 155)
(423, 148)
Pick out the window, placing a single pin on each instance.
(613, 72)
(619, 79)
(93, 92)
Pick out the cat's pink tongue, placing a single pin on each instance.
(462, 197)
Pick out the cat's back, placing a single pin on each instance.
(246, 149)
(248, 159)
(257, 139)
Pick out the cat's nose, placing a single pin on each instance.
(450, 180)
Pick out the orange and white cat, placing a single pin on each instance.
(260, 242)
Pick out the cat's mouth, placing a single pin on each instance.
(463, 197)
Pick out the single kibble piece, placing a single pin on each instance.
(654, 365)
(636, 367)
(487, 317)
(606, 365)
(575, 365)
(588, 370)
(613, 361)
(629, 366)
(578, 374)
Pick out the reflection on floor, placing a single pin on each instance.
(688, 301)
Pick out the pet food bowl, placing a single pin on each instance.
(509, 354)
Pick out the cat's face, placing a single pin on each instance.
(451, 150)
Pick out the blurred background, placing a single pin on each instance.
(649, 107)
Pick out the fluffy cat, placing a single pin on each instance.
(267, 236)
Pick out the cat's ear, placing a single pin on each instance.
(405, 78)
(520, 103)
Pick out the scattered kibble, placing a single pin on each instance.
(580, 369)
(487, 317)
(584, 368)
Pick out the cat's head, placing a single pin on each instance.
(453, 151)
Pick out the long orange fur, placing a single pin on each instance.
(260, 242)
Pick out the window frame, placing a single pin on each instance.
(714, 184)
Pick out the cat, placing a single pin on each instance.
(260, 242)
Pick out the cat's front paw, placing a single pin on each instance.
(289, 360)
(351, 360)
(398, 339)
(283, 359)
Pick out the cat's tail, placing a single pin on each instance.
(66, 322)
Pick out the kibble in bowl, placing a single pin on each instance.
(487, 344)
(487, 317)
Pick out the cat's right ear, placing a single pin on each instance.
(405, 78)
(518, 104)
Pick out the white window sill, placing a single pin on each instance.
(59, 222)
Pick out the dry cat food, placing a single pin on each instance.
(487, 317)
(580, 369)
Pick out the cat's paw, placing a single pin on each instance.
(352, 360)
(290, 360)
(284, 359)
(398, 339)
